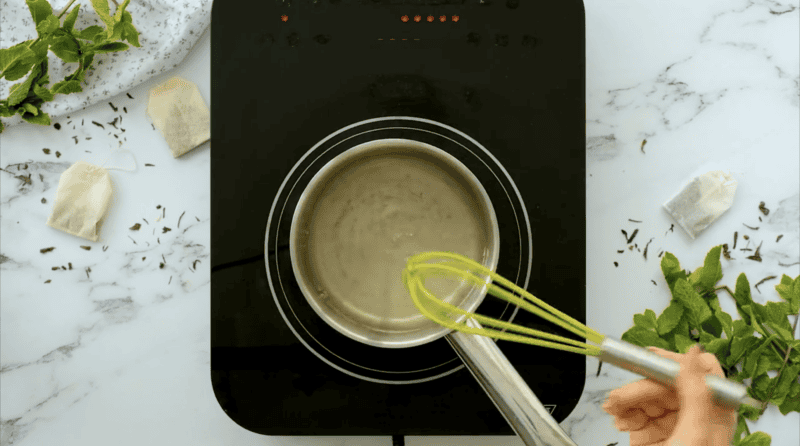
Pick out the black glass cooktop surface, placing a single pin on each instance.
(500, 85)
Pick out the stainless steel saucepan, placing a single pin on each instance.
(389, 320)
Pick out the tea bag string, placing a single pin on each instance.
(119, 168)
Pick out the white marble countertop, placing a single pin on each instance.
(115, 348)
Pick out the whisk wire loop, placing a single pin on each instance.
(462, 267)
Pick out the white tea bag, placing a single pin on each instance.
(180, 114)
(702, 201)
(82, 200)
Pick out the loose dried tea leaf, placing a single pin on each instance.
(762, 281)
(158, 207)
(125, 109)
(58, 154)
(749, 227)
(746, 237)
(725, 252)
(88, 248)
(129, 95)
(135, 227)
(645, 248)
(161, 265)
(635, 221)
(763, 208)
(671, 228)
(179, 219)
(633, 236)
(98, 124)
(654, 282)
(104, 248)
(44, 250)
(57, 126)
(779, 237)
(46, 151)
(194, 264)
(44, 201)
(145, 220)
(756, 256)
(113, 123)
(54, 268)
(47, 281)
(134, 241)
(70, 265)
(620, 251)
(616, 264)
(112, 107)
(643, 143)
(165, 230)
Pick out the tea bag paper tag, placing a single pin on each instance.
(180, 114)
(702, 201)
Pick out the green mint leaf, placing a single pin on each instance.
(756, 439)
(752, 357)
(784, 385)
(67, 87)
(120, 11)
(42, 118)
(20, 91)
(739, 347)
(131, 35)
(712, 269)
(40, 10)
(47, 26)
(647, 320)
(719, 347)
(694, 277)
(89, 33)
(767, 362)
(742, 292)
(2, 126)
(17, 53)
(5, 111)
(66, 49)
(696, 308)
(644, 338)
(792, 401)
(670, 317)
(683, 343)
(43, 93)
(104, 12)
(17, 71)
(782, 333)
(111, 48)
(126, 17)
(789, 290)
(30, 108)
(69, 21)
(726, 321)
(119, 31)
(672, 270)
(741, 329)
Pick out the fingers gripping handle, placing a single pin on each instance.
(646, 363)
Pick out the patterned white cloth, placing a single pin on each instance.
(168, 29)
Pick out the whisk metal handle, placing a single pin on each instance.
(646, 363)
(509, 392)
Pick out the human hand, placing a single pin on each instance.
(657, 415)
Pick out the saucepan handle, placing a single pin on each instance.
(506, 388)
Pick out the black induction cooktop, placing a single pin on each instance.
(498, 84)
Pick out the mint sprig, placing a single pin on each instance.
(761, 341)
(68, 44)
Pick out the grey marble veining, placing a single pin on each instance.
(114, 349)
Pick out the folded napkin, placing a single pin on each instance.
(168, 30)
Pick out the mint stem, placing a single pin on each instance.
(778, 349)
(65, 9)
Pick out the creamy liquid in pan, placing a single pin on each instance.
(371, 218)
